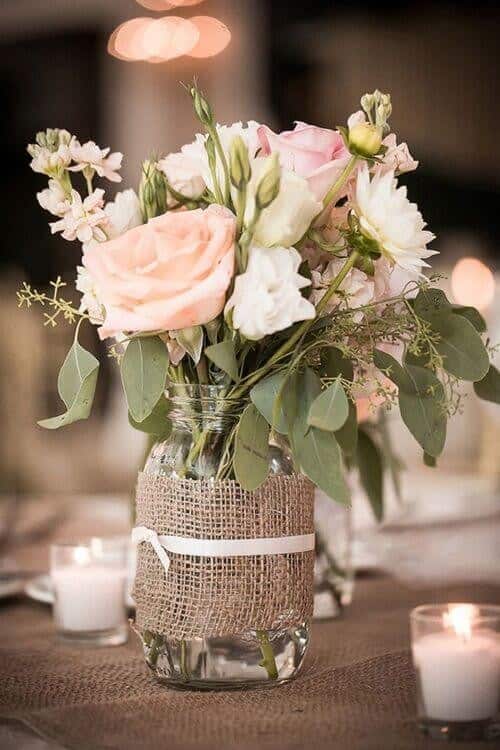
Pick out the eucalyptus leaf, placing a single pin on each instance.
(392, 369)
(329, 410)
(223, 355)
(299, 393)
(422, 410)
(76, 384)
(192, 340)
(251, 454)
(488, 388)
(144, 373)
(318, 455)
(264, 396)
(430, 460)
(460, 345)
(430, 303)
(371, 472)
(472, 315)
(347, 436)
(157, 424)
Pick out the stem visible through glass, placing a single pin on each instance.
(268, 660)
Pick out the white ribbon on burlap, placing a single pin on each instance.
(179, 545)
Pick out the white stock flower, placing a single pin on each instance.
(183, 175)
(197, 154)
(357, 288)
(50, 162)
(397, 157)
(83, 220)
(289, 216)
(90, 156)
(267, 298)
(53, 199)
(386, 216)
(124, 213)
(89, 302)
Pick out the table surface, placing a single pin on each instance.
(356, 689)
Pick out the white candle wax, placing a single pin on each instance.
(459, 678)
(89, 598)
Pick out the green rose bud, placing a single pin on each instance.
(365, 139)
(201, 106)
(269, 185)
(239, 164)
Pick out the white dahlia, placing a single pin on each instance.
(386, 216)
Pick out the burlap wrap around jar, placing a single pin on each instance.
(202, 597)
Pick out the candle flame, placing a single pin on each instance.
(459, 618)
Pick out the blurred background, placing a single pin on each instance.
(286, 60)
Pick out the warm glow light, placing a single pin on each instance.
(127, 41)
(162, 5)
(472, 283)
(460, 618)
(82, 556)
(214, 36)
(169, 37)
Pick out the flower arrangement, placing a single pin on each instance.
(286, 267)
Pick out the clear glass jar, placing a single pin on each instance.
(203, 425)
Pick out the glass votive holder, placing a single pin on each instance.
(89, 581)
(456, 654)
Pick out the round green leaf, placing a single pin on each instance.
(329, 411)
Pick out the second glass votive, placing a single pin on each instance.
(456, 654)
(89, 592)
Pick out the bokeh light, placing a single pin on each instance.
(214, 36)
(127, 41)
(169, 37)
(472, 283)
(162, 5)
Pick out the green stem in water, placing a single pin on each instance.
(183, 660)
(268, 660)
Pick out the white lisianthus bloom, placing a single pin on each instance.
(198, 159)
(357, 288)
(289, 216)
(267, 298)
(90, 156)
(83, 220)
(386, 216)
(50, 162)
(53, 199)
(89, 302)
(183, 175)
(124, 213)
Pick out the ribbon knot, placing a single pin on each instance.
(143, 534)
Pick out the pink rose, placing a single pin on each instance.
(170, 273)
(317, 154)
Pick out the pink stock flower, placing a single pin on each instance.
(89, 155)
(170, 273)
(317, 154)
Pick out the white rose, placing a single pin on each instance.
(289, 216)
(267, 298)
(183, 174)
(124, 213)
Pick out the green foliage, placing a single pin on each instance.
(347, 436)
(371, 472)
(157, 424)
(472, 315)
(488, 388)
(421, 401)
(251, 454)
(144, 373)
(192, 340)
(223, 355)
(269, 399)
(329, 410)
(430, 461)
(76, 385)
(334, 363)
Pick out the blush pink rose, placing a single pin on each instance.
(168, 274)
(317, 154)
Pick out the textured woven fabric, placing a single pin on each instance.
(203, 596)
(356, 691)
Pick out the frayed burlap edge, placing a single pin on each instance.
(200, 596)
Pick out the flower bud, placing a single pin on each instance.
(152, 191)
(269, 185)
(239, 164)
(201, 106)
(365, 139)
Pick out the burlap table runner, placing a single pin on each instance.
(203, 596)
(356, 691)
